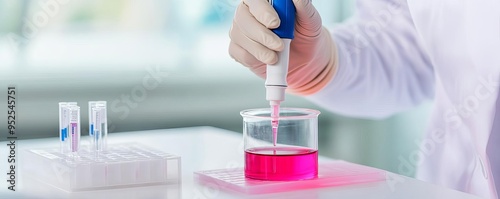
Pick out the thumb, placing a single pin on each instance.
(308, 19)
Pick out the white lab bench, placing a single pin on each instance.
(205, 148)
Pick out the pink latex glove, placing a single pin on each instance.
(312, 52)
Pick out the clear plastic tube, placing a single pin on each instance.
(98, 125)
(64, 125)
(91, 123)
(74, 128)
(92, 127)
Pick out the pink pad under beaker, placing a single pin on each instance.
(331, 174)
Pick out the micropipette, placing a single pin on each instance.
(276, 73)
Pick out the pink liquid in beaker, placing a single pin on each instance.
(281, 163)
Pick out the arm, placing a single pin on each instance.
(382, 66)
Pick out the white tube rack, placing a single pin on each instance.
(121, 165)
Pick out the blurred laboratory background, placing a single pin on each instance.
(164, 64)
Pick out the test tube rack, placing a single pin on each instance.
(121, 165)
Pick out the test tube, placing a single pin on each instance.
(99, 125)
(91, 123)
(64, 124)
(74, 128)
(93, 104)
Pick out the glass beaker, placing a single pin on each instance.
(295, 155)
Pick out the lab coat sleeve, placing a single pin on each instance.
(382, 66)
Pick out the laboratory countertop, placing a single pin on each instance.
(206, 148)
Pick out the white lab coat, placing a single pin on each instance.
(394, 54)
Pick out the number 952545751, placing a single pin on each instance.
(11, 110)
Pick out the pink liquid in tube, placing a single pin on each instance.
(74, 137)
(275, 114)
(281, 163)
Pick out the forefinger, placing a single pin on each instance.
(263, 12)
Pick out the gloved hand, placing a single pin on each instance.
(312, 52)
